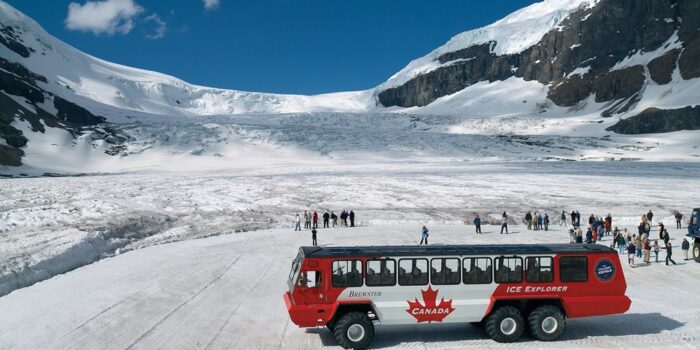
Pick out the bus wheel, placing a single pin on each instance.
(696, 252)
(505, 324)
(330, 325)
(546, 323)
(354, 331)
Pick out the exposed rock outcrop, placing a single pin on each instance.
(654, 120)
(16, 82)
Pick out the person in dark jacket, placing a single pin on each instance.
(589, 235)
(591, 219)
(665, 236)
(685, 246)
(528, 220)
(477, 223)
(631, 252)
(313, 237)
(545, 221)
(621, 241)
(562, 219)
(679, 217)
(573, 218)
(334, 219)
(650, 216)
(344, 218)
(326, 220)
(351, 216)
(669, 252)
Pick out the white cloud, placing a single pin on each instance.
(103, 17)
(160, 29)
(210, 4)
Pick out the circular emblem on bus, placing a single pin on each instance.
(604, 270)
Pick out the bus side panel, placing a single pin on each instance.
(603, 293)
(595, 306)
(393, 304)
(308, 315)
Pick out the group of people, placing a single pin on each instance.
(311, 221)
(597, 228)
(537, 221)
(637, 245)
(640, 245)
(504, 223)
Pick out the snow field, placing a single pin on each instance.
(52, 225)
(226, 292)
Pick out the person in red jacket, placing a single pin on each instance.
(646, 248)
(315, 220)
(595, 234)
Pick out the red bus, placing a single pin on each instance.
(504, 288)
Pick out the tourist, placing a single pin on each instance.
(477, 224)
(424, 236)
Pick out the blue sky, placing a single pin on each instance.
(281, 46)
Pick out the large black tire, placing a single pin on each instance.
(354, 330)
(696, 251)
(505, 324)
(546, 323)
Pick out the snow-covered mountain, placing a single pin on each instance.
(555, 69)
(621, 57)
(110, 89)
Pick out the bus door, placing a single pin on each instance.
(310, 287)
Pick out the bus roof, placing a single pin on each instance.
(436, 250)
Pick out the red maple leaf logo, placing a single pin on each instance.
(430, 312)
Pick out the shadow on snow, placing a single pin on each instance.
(577, 329)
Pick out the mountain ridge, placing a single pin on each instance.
(535, 72)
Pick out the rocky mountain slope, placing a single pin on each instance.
(609, 51)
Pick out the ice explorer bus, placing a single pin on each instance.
(694, 233)
(503, 288)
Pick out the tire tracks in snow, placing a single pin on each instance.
(152, 328)
(105, 310)
(218, 332)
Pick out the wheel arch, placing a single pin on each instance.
(341, 309)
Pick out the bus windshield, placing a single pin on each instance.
(296, 266)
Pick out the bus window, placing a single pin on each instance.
(381, 272)
(310, 279)
(509, 270)
(296, 266)
(444, 271)
(347, 273)
(538, 269)
(573, 269)
(413, 272)
(477, 271)
(694, 218)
